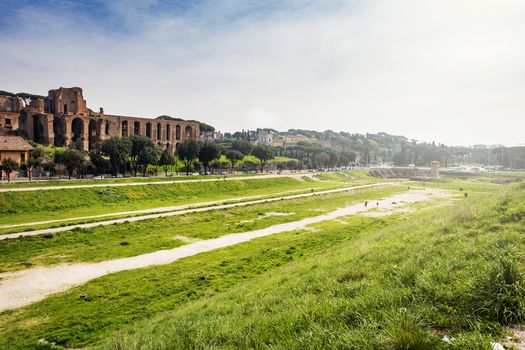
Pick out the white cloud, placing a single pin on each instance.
(449, 71)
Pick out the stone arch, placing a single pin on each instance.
(148, 130)
(93, 134)
(125, 128)
(60, 131)
(188, 132)
(168, 147)
(77, 130)
(177, 132)
(39, 128)
(168, 131)
(159, 131)
(136, 128)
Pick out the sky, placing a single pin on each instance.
(449, 71)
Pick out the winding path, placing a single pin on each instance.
(21, 288)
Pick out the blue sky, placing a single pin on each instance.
(447, 71)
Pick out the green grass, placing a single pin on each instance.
(119, 299)
(130, 239)
(71, 221)
(456, 271)
(463, 185)
(398, 282)
(22, 207)
(77, 182)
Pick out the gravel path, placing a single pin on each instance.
(182, 212)
(21, 288)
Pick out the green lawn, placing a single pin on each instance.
(119, 299)
(455, 271)
(398, 282)
(64, 181)
(134, 238)
(23, 207)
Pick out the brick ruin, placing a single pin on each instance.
(63, 118)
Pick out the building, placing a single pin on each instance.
(15, 148)
(63, 118)
(264, 137)
(290, 140)
(212, 136)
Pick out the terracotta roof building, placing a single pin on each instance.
(16, 148)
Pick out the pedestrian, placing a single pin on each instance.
(466, 194)
(377, 204)
(366, 204)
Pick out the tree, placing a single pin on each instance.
(188, 152)
(49, 167)
(118, 150)
(149, 155)
(234, 157)
(101, 164)
(166, 160)
(139, 144)
(30, 165)
(321, 159)
(78, 144)
(243, 146)
(263, 153)
(334, 159)
(292, 164)
(35, 159)
(208, 153)
(71, 159)
(8, 166)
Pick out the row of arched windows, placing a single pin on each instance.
(188, 131)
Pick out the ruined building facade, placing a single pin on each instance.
(63, 118)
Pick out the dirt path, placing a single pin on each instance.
(182, 212)
(49, 188)
(21, 288)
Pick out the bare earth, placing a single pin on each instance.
(21, 288)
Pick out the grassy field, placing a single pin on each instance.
(77, 182)
(130, 239)
(457, 272)
(119, 299)
(397, 282)
(22, 207)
